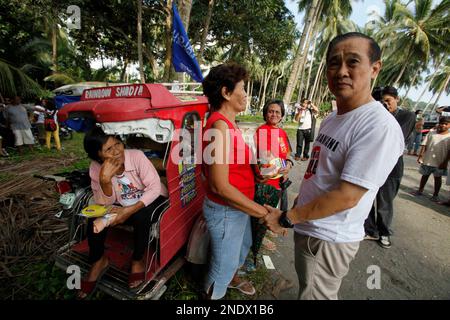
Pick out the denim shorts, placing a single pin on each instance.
(427, 170)
(231, 239)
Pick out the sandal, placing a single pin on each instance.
(269, 245)
(416, 193)
(241, 285)
(88, 287)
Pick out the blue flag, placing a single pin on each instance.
(183, 57)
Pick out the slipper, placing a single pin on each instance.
(88, 287)
(136, 277)
(269, 245)
(416, 193)
(240, 286)
(444, 203)
(272, 234)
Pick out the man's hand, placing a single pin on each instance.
(271, 220)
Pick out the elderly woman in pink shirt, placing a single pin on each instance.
(126, 178)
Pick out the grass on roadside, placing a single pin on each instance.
(72, 149)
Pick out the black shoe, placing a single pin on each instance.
(385, 242)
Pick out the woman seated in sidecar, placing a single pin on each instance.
(127, 178)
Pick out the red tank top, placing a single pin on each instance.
(240, 173)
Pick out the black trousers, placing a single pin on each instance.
(378, 223)
(303, 136)
(141, 222)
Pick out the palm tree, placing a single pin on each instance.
(440, 83)
(419, 33)
(205, 30)
(139, 41)
(311, 7)
(14, 81)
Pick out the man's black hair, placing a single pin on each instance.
(377, 93)
(444, 119)
(374, 48)
(392, 91)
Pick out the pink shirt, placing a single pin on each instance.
(141, 175)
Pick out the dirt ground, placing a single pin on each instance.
(417, 266)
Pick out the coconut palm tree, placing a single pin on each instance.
(14, 81)
(420, 32)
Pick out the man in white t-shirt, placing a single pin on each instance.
(355, 150)
(305, 117)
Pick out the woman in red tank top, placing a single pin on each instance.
(229, 183)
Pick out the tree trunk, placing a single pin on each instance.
(248, 99)
(251, 94)
(205, 30)
(168, 58)
(436, 67)
(412, 84)
(265, 82)
(308, 86)
(312, 31)
(429, 103)
(139, 41)
(54, 47)
(124, 70)
(442, 89)
(403, 68)
(298, 57)
(184, 8)
(260, 88)
(318, 75)
(274, 92)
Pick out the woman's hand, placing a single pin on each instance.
(123, 213)
(261, 179)
(285, 171)
(110, 167)
(271, 220)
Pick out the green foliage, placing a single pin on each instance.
(250, 118)
(40, 281)
(242, 30)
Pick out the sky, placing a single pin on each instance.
(360, 15)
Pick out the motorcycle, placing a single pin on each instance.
(75, 193)
(65, 132)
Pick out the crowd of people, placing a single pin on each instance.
(343, 197)
(353, 173)
(22, 124)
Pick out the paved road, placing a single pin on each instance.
(417, 266)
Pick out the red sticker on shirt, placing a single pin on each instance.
(313, 163)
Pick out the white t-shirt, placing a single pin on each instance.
(361, 147)
(305, 119)
(40, 112)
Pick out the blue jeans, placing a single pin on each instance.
(231, 239)
(414, 142)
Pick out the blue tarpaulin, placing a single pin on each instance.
(75, 124)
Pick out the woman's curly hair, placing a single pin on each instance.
(224, 75)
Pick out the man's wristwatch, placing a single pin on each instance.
(284, 220)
